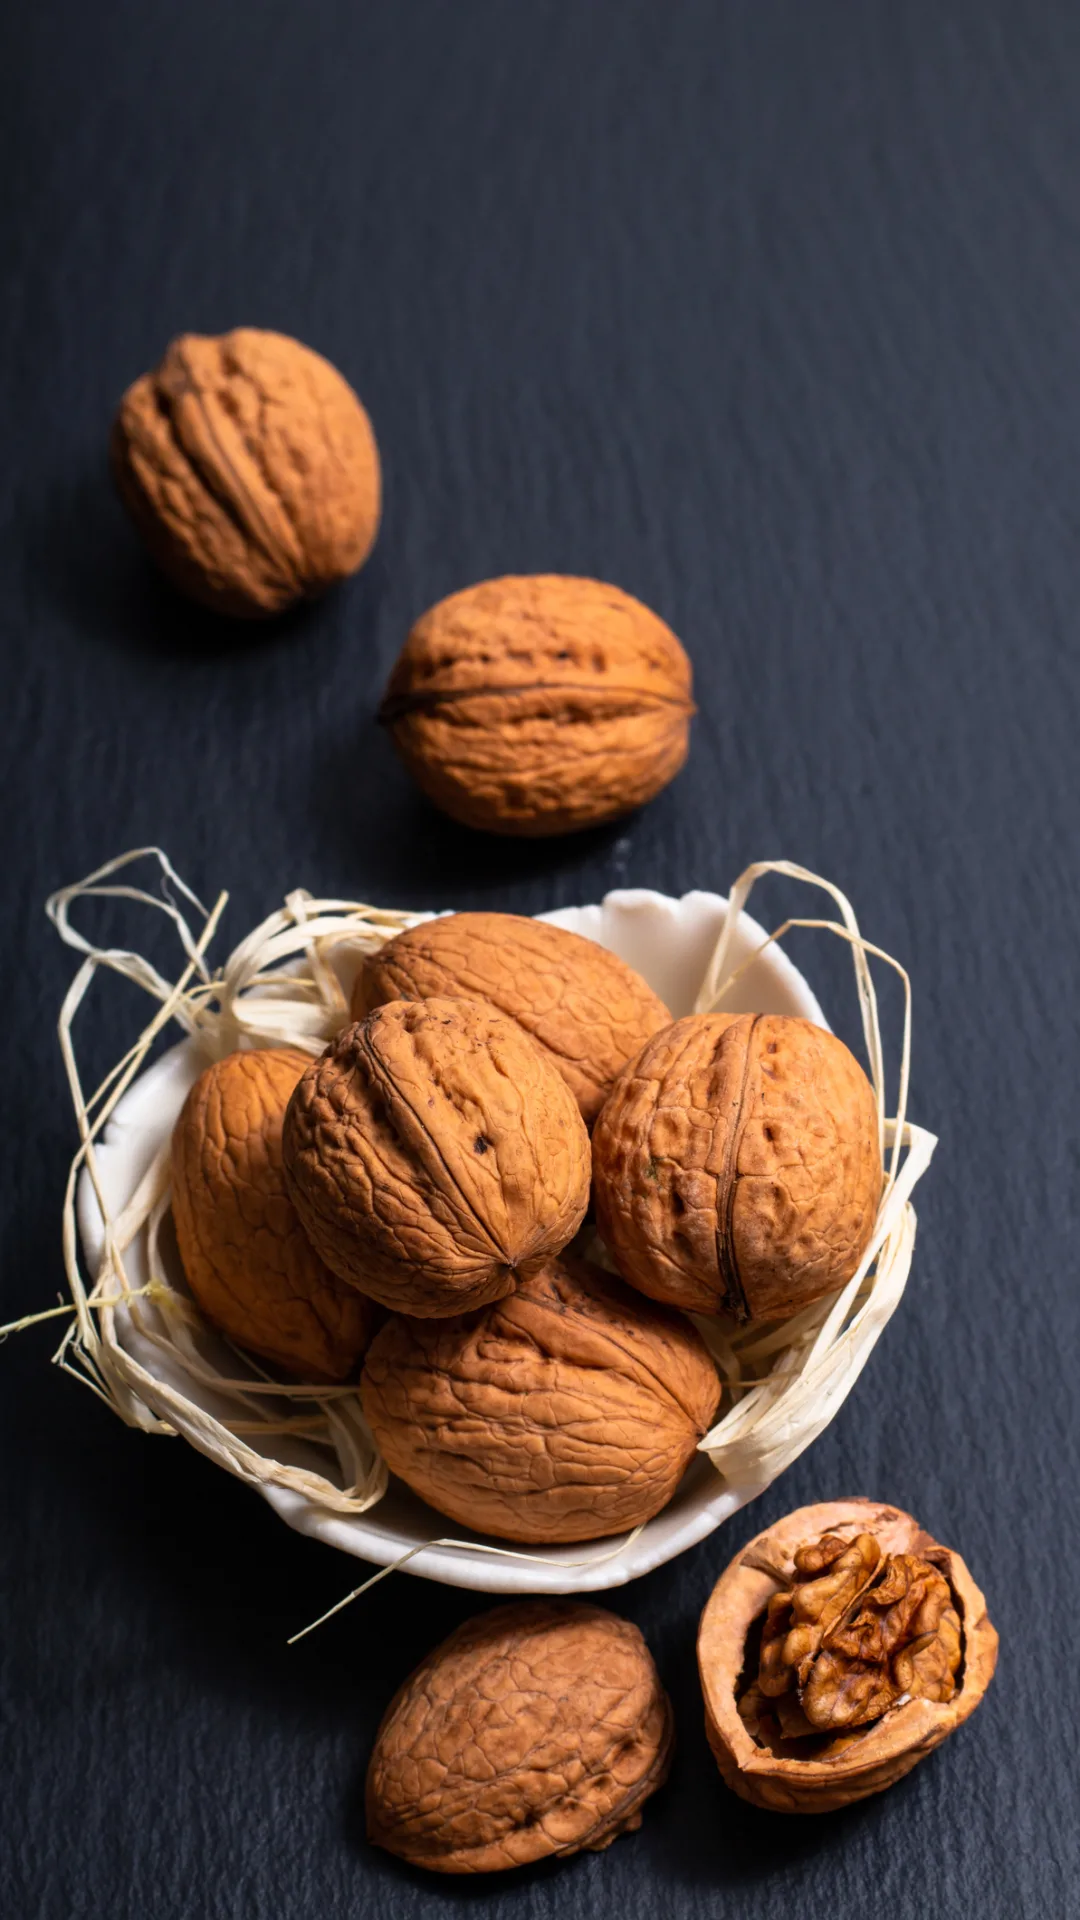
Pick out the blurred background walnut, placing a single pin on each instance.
(247, 1259)
(585, 1008)
(567, 1412)
(250, 468)
(737, 1165)
(540, 704)
(436, 1156)
(839, 1648)
(534, 1731)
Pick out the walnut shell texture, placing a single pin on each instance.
(536, 1730)
(584, 1007)
(737, 1166)
(856, 1763)
(566, 1412)
(250, 468)
(248, 1262)
(539, 704)
(436, 1156)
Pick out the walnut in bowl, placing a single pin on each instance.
(569, 1411)
(737, 1165)
(587, 1011)
(247, 1259)
(436, 1156)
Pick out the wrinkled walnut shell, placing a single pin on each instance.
(871, 1757)
(540, 704)
(248, 1261)
(583, 1006)
(567, 1412)
(436, 1156)
(737, 1167)
(250, 468)
(536, 1730)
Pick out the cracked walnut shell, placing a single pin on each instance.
(247, 1259)
(436, 1156)
(540, 703)
(567, 1412)
(737, 1165)
(535, 1731)
(584, 1007)
(838, 1649)
(250, 468)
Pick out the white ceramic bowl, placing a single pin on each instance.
(671, 943)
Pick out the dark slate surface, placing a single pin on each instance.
(770, 314)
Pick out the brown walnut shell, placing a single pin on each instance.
(436, 1156)
(584, 1007)
(248, 1261)
(535, 1731)
(737, 1167)
(567, 1412)
(540, 704)
(816, 1769)
(250, 468)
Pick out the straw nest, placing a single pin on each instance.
(288, 983)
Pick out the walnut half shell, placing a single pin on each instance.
(839, 1648)
(536, 1730)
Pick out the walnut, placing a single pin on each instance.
(247, 1259)
(536, 1730)
(857, 1631)
(566, 1412)
(737, 1167)
(837, 1650)
(540, 704)
(585, 1008)
(436, 1156)
(250, 468)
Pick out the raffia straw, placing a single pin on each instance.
(468, 1546)
(286, 984)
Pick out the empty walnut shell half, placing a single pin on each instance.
(537, 1730)
(567, 1412)
(436, 1156)
(250, 468)
(540, 704)
(839, 1648)
(248, 1261)
(584, 1007)
(737, 1165)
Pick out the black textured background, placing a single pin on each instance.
(771, 314)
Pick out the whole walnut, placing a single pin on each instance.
(839, 1648)
(436, 1156)
(540, 704)
(585, 1008)
(535, 1731)
(247, 1259)
(567, 1412)
(250, 468)
(737, 1165)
